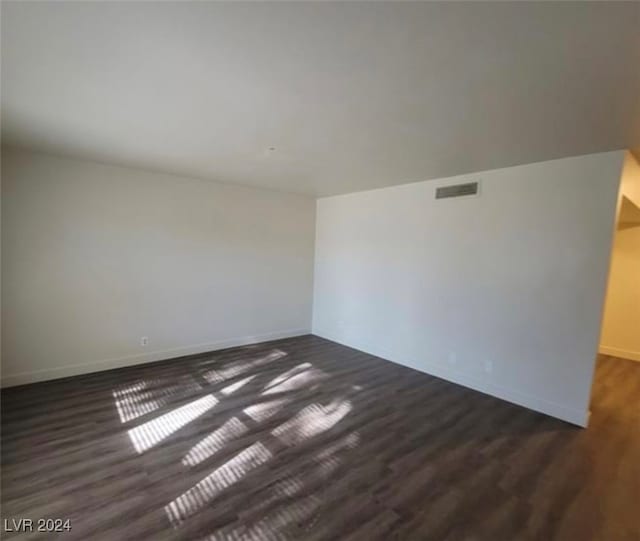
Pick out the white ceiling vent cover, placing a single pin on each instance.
(457, 190)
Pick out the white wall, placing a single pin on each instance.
(94, 257)
(621, 323)
(515, 278)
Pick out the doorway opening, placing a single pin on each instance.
(617, 372)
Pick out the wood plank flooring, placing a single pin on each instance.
(307, 439)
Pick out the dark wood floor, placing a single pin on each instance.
(307, 439)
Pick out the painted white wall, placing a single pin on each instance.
(95, 257)
(621, 322)
(515, 277)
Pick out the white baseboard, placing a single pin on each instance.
(622, 353)
(23, 378)
(576, 417)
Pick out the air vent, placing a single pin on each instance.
(457, 190)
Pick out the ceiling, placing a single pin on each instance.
(320, 98)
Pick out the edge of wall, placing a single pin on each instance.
(24, 378)
(559, 411)
(622, 353)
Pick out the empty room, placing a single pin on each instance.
(320, 271)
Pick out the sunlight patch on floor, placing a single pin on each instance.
(134, 401)
(328, 458)
(147, 396)
(151, 433)
(220, 375)
(214, 442)
(216, 482)
(348, 442)
(230, 389)
(311, 421)
(303, 367)
(263, 410)
(296, 378)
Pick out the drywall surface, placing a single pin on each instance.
(502, 292)
(95, 257)
(621, 323)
